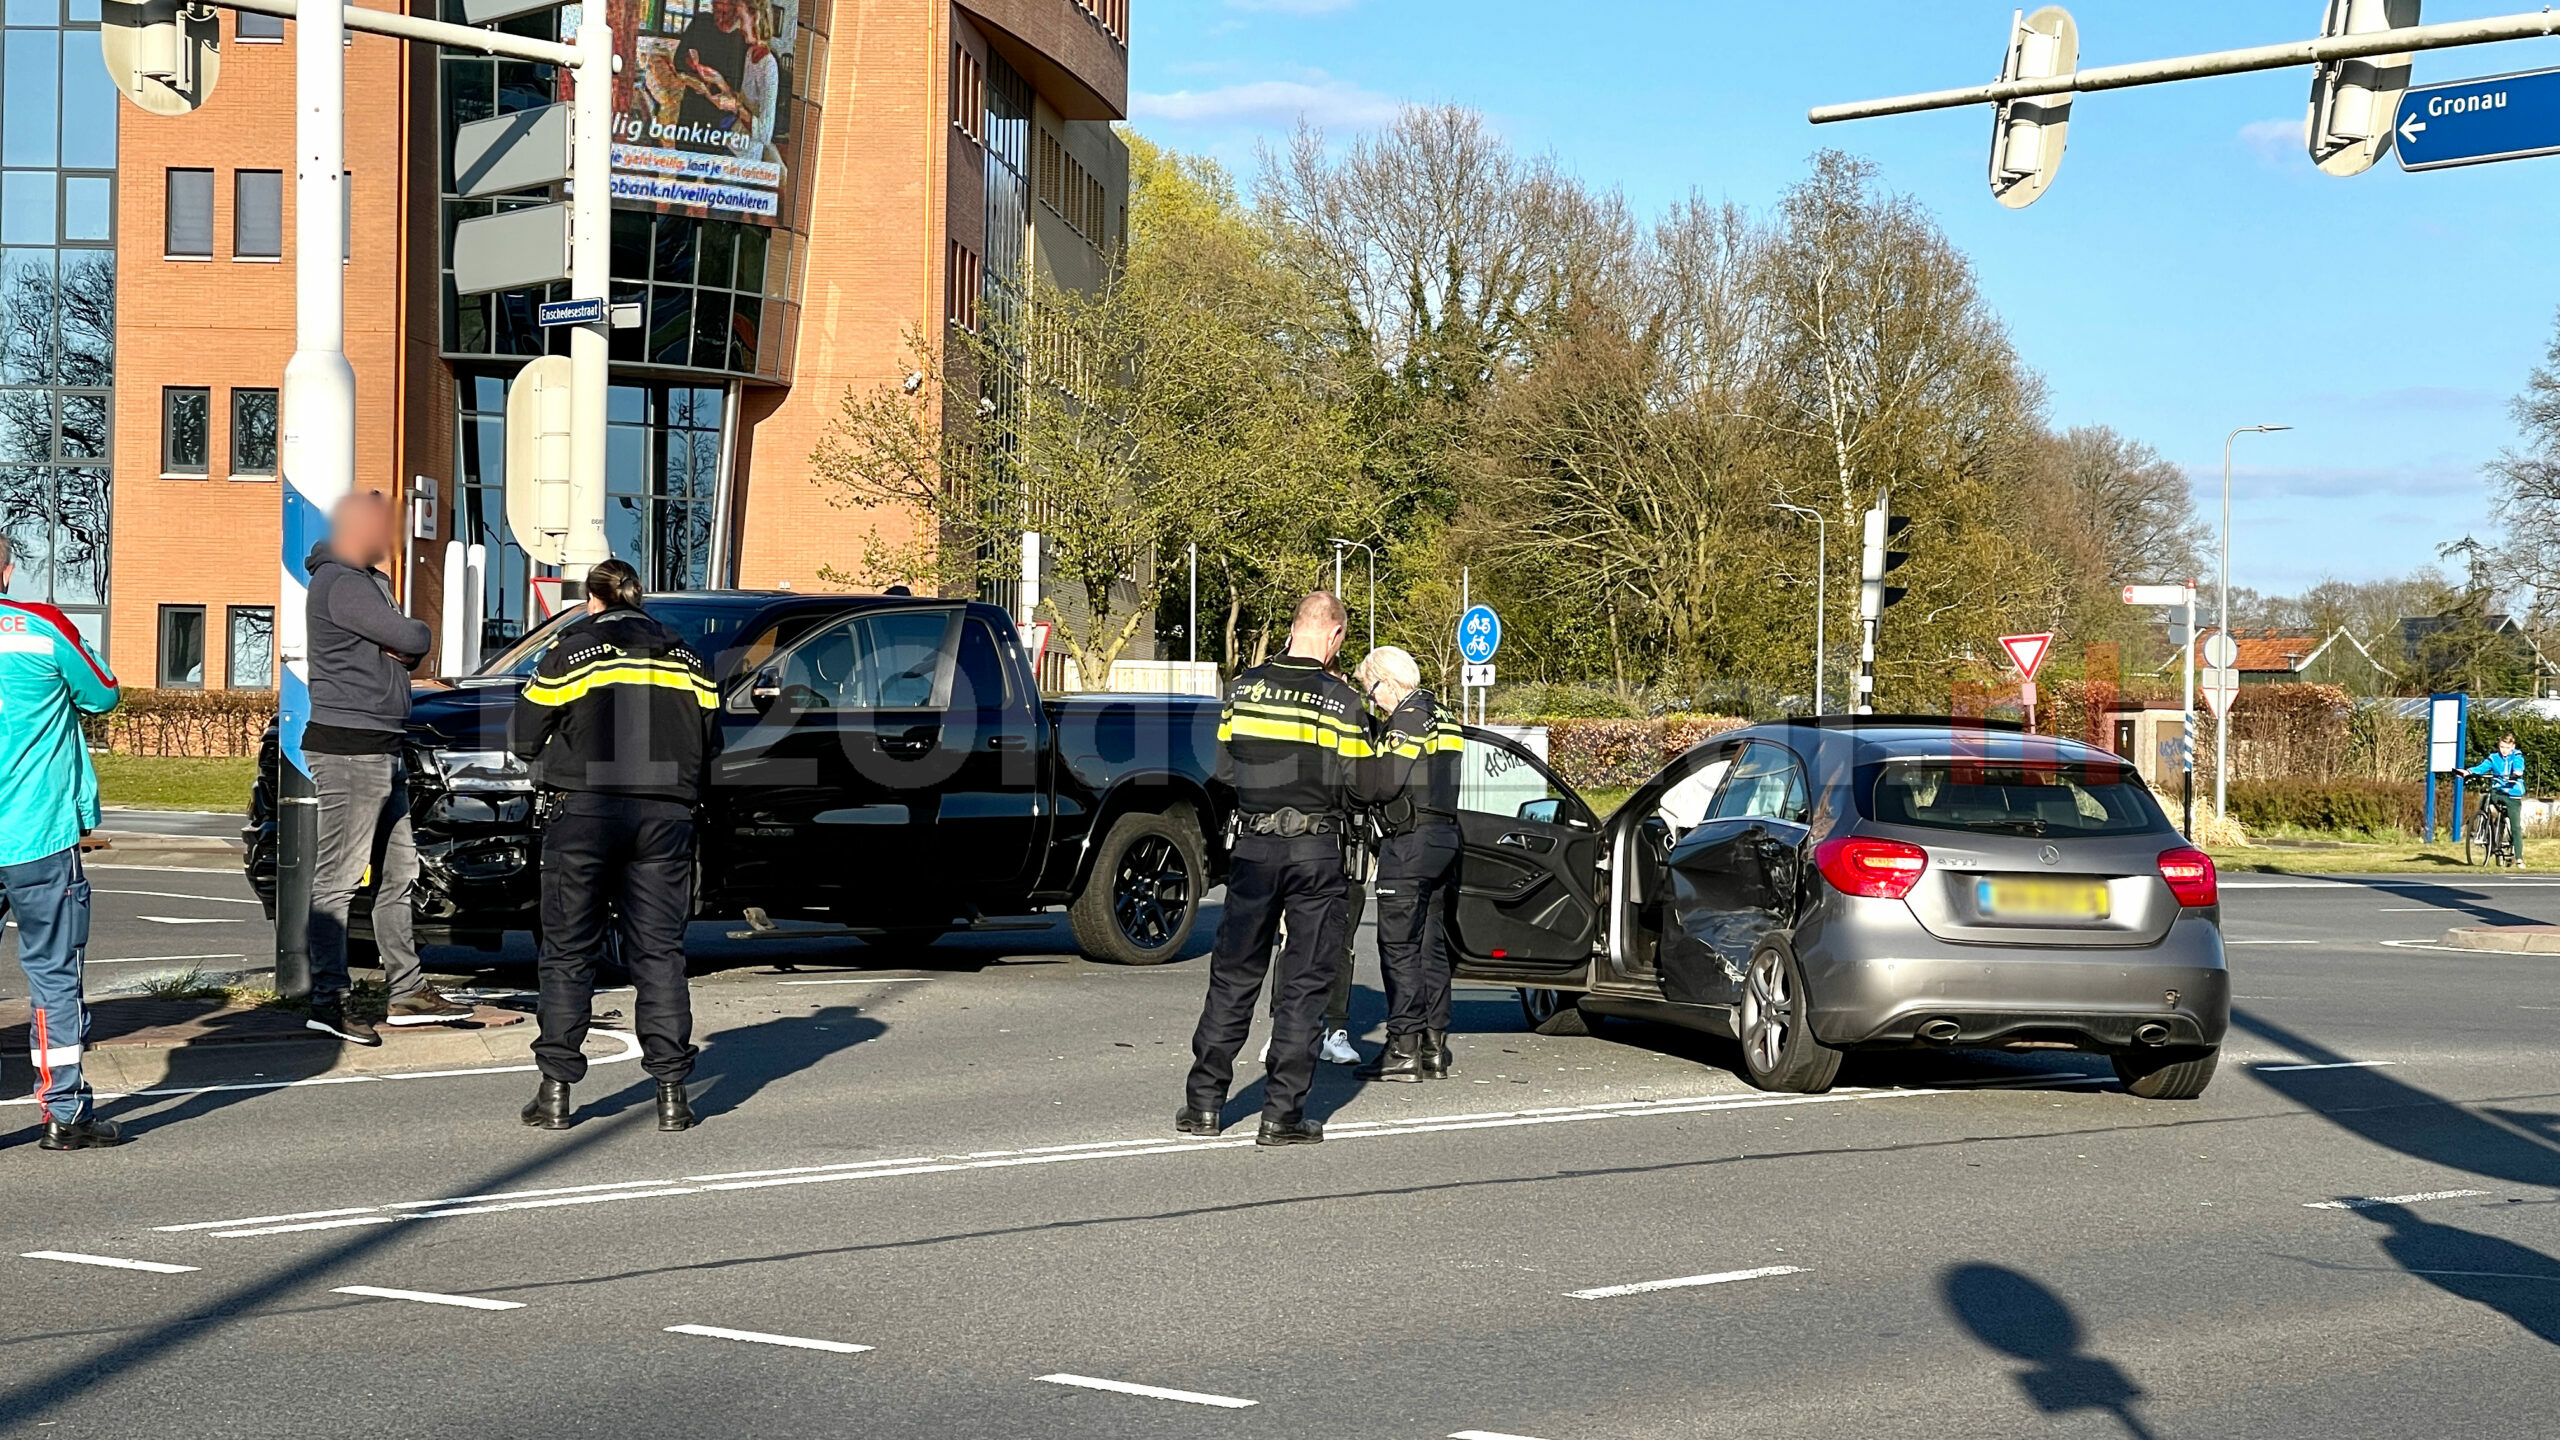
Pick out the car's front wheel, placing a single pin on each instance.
(1553, 1012)
(2168, 1074)
(1140, 902)
(1778, 1048)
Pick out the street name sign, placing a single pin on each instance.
(589, 311)
(2027, 652)
(2155, 594)
(2473, 122)
(1479, 634)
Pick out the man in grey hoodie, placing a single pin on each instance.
(361, 650)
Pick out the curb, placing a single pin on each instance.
(2506, 939)
(170, 852)
(499, 1038)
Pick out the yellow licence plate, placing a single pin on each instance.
(2041, 899)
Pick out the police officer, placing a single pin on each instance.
(619, 720)
(1288, 743)
(1412, 781)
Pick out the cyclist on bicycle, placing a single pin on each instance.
(2505, 771)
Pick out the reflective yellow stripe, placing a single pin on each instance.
(664, 674)
(1296, 732)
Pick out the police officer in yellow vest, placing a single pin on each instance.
(1290, 742)
(1412, 781)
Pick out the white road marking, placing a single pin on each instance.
(154, 959)
(1089, 1150)
(1152, 1392)
(428, 1297)
(188, 920)
(182, 895)
(267, 1219)
(2367, 1202)
(1486, 1435)
(867, 980)
(630, 1051)
(760, 1338)
(2415, 909)
(2265, 1069)
(109, 1261)
(1685, 1282)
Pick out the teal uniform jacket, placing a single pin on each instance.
(48, 679)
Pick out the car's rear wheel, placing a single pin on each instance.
(1143, 897)
(1553, 1012)
(2168, 1074)
(1778, 1048)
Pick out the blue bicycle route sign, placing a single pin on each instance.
(1479, 634)
(2472, 122)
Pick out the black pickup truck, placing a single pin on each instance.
(888, 767)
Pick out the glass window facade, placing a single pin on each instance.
(181, 647)
(249, 655)
(257, 214)
(253, 433)
(186, 429)
(189, 216)
(662, 482)
(57, 305)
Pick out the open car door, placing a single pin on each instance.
(1526, 908)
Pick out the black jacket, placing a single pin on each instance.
(1413, 777)
(361, 646)
(619, 706)
(1291, 737)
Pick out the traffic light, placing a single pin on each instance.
(2027, 133)
(1878, 560)
(2353, 101)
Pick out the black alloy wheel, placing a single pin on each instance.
(1143, 896)
(1151, 893)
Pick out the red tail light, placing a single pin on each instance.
(2191, 877)
(1876, 869)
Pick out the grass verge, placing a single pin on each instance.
(160, 782)
(2360, 856)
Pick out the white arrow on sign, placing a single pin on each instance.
(2409, 128)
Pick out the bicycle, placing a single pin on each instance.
(2488, 838)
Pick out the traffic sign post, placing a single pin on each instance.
(1479, 637)
(2027, 652)
(2176, 595)
(2474, 122)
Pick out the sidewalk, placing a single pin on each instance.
(138, 1044)
(2509, 939)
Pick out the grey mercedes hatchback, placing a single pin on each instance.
(1809, 888)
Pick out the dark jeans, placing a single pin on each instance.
(364, 824)
(602, 853)
(1415, 873)
(1301, 879)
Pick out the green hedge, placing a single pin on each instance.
(2364, 806)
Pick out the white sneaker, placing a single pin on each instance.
(1265, 1060)
(1336, 1047)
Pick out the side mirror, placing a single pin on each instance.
(766, 687)
(1543, 812)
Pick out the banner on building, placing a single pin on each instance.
(703, 102)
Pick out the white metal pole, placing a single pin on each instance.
(2222, 627)
(2187, 725)
(590, 276)
(1821, 576)
(1192, 629)
(318, 449)
(457, 579)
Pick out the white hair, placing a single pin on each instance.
(1393, 664)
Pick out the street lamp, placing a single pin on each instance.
(2222, 622)
(1821, 571)
(1338, 546)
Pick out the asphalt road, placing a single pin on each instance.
(961, 1159)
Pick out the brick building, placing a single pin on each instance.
(920, 157)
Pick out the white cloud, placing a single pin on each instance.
(1268, 102)
(2277, 140)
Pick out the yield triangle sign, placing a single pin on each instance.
(2027, 652)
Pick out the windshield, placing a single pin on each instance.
(707, 627)
(2012, 798)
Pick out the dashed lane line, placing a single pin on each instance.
(1151, 1392)
(109, 1261)
(1080, 1151)
(191, 919)
(758, 1337)
(2280, 1068)
(428, 1297)
(2367, 1202)
(183, 895)
(1685, 1282)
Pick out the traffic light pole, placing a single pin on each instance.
(318, 443)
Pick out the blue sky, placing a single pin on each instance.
(2190, 271)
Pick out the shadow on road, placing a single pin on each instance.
(2379, 1107)
(2520, 1283)
(741, 1062)
(2017, 1316)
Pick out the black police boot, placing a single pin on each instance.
(1301, 1131)
(86, 1133)
(1196, 1120)
(675, 1112)
(1435, 1054)
(549, 1107)
(1400, 1061)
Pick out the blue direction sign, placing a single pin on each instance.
(2472, 122)
(571, 312)
(1479, 634)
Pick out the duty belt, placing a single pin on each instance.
(1422, 820)
(1290, 823)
